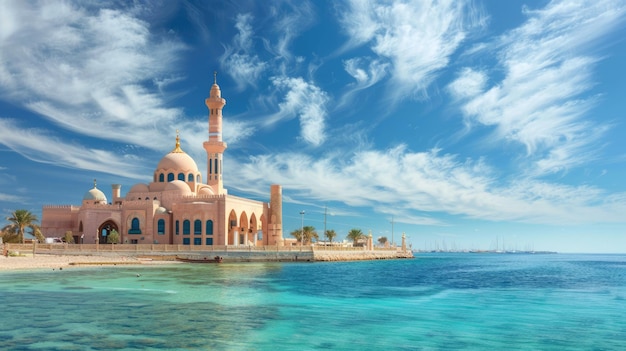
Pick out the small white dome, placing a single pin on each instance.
(161, 210)
(95, 195)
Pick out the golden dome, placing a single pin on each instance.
(177, 161)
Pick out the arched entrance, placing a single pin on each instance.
(232, 228)
(105, 229)
(243, 230)
(253, 230)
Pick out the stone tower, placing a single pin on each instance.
(275, 226)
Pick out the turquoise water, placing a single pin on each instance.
(433, 302)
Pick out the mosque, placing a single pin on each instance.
(177, 207)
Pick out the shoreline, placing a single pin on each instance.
(40, 261)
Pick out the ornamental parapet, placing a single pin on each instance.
(102, 206)
(202, 197)
(71, 207)
(141, 202)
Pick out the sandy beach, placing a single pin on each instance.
(43, 261)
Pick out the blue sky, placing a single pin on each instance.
(459, 123)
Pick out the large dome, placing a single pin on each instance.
(177, 161)
(180, 162)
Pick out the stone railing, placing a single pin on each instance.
(229, 252)
(122, 248)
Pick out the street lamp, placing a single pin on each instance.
(391, 231)
(302, 228)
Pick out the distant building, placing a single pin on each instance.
(177, 207)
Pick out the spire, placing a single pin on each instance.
(94, 183)
(177, 149)
(215, 93)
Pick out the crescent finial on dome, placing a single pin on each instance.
(177, 149)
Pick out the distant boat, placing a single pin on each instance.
(216, 259)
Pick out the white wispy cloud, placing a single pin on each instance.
(10, 198)
(281, 24)
(468, 84)
(238, 60)
(417, 37)
(431, 183)
(37, 145)
(366, 73)
(540, 102)
(89, 70)
(306, 101)
(290, 18)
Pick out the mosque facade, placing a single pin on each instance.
(177, 206)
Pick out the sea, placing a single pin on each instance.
(436, 301)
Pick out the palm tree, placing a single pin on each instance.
(382, 240)
(309, 234)
(20, 220)
(297, 234)
(330, 234)
(355, 235)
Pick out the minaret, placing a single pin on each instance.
(215, 146)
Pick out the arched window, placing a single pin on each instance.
(170, 177)
(134, 226)
(198, 180)
(181, 176)
(161, 227)
(197, 227)
(186, 227)
(177, 227)
(161, 177)
(190, 177)
(209, 227)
